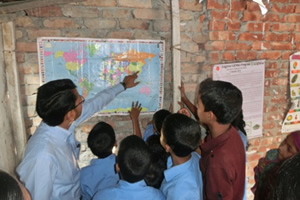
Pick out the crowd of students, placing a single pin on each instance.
(170, 160)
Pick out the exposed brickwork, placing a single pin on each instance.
(211, 32)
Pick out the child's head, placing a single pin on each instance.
(159, 156)
(158, 119)
(290, 146)
(221, 98)
(180, 134)
(101, 140)
(133, 159)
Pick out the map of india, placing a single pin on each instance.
(95, 64)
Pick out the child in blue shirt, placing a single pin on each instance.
(180, 136)
(133, 162)
(101, 172)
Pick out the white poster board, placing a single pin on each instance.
(292, 119)
(249, 78)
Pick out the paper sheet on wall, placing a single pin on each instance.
(249, 78)
(95, 64)
(292, 119)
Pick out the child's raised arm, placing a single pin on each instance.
(134, 116)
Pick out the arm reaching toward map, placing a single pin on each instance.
(129, 80)
(134, 115)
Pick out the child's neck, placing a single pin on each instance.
(179, 160)
(218, 129)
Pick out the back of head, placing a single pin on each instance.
(159, 117)
(54, 100)
(239, 122)
(101, 140)
(182, 134)
(288, 180)
(222, 98)
(159, 156)
(133, 159)
(10, 188)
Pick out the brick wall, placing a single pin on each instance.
(215, 31)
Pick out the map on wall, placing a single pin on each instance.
(96, 64)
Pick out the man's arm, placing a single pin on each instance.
(104, 97)
(186, 101)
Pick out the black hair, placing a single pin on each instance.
(159, 157)
(222, 98)
(239, 122)
(181, 133)
(10, 188)
(133, 158)
(54, 100)
(287, 186)
(159, 117)
(101, 140)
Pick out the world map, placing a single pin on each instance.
(97, 64)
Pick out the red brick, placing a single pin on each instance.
(228, 55)
(20, 57)
(35, 33)
(270, 55)
(271, 65)
(135, 3)
(221, 15)
(268, 125)
(294, 1)
(271, 73)
(233, 26)
(280, 81)
(260, 45)
(26, 47)
(276, 37)
(297, 28)
(222, 35)
(107, 3)
(286, 55)
(214, 56)
(272, 17)
(252, 6)
(190, 5)
(112, 13)
(280, 1)
(280, 27)
(134, 24)
(281, 46)
(215, 4)
(149, 14)
(297, 10)
(215, 25)
(246, 55)
(250, 36)
(283, 8)
(60, 23)
(232, 45)
(258, 27)
(238, 5)
(214, 45)
(297, 46)
(251, 16)
(48, 11)
(293, 18)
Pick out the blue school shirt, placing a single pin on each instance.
(98, 175)
(129, 191)
(49, 168)
(148, 131)
(184, 181)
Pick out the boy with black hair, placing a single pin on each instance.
(133, 162)
(223, 154)
(101, 172)
(50, 168)
(180, 136)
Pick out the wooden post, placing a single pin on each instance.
(13, 90)
(176, 53)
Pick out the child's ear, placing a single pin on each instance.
(70, 116)
(212, 116)
(168, 148)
